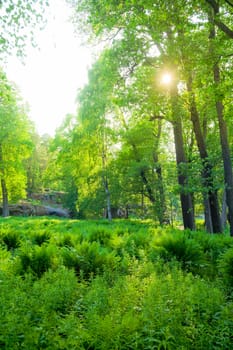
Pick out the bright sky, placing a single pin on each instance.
(51, 76)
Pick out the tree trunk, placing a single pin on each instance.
(106, 187)
(5, 205)
(224, 210)
(185, 197)
(108, 199)
(227, 164)
(211, 197)
(161, 207)
(148, 188)
(207, 212)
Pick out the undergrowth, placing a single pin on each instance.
(122, 285)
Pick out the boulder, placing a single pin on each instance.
(27, 209)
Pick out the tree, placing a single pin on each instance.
(61, 167)
(174, 36)
(135, 20)
(222, 24)
(219, 94)
(19, 19)
(212, 215)
(15, 143)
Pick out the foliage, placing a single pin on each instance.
(101, 285)
(125, 97)
(226, 266)
(15, 142)
(18, 22)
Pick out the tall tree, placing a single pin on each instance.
(160, 31)
(212, 214)
(227, 163)
(137, 20)
(15, 143)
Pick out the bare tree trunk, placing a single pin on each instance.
(227, 164)
(5, 206)
(108, 199)
(224, 210)
(208, 218)
(211, 197)
(185, 197)
(161, 207)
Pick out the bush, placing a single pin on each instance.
(185, 250)
(225, 265)
(34, 259)
(89, 259)
(102, 235)
(11, 240)
(109, 286)
(40, 237)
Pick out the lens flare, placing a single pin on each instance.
(166, 78)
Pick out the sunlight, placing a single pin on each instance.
(166, 78)
(51, 76)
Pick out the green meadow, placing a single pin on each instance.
(100, 285)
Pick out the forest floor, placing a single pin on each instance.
(125, 284)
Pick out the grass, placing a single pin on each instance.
(69, 284)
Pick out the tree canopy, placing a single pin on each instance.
(153, 130)
(19, 19)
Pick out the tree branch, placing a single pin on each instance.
(224, 28)
(229, 3)
(215, 6)
(154, 117)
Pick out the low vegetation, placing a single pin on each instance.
(113, 285)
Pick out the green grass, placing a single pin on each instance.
(70, 284)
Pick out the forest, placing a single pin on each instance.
(153, 131)
(144, 169)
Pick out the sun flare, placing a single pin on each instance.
(166, 78)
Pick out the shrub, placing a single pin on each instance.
(11, 240)
(135, 242)
(34, 259)
(89, 258)
(100, 234)
(5, 257)
(134, 294)
(40, 237)
(225, 265)
(185, 250)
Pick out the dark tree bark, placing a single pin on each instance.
(224, 210)
(212, 218)
(227, 164)
(161, 207)
(224, 28)
(226, 156)
(185, 197)
(149, 191)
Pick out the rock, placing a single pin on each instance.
(57, 212)
(27, 209)
(24, 209)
